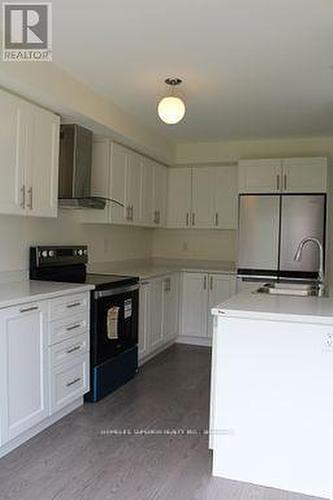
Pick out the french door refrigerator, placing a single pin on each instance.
(270, 229)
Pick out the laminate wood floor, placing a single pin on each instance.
(76, 460)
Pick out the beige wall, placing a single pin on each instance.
(105, 242)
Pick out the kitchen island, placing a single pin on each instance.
(271, 409)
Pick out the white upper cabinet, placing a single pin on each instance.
(29, 142)
(179, 198)
(203, 190)
(259, 176)
(225, 197)
(146, 192)
(43, 162)
(304, 175)
(159, 194)
(133, 187)
(290, 175)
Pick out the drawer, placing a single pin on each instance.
(64, 329)
(69, 381)
(69, 305)
(64, 352)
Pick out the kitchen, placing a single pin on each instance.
(139, 203)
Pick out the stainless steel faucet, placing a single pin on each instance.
(298, 256)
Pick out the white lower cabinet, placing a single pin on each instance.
(199, 293)
(158, 314)
(44, 364)
(24, 378)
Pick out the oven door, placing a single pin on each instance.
(114, 322)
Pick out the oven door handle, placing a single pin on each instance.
(115, 291)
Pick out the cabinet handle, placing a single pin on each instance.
(216, 219)
(193, 219)
(128, 209)
(73, 349)
(205, 282)
(23, 196)
(74, 381)
(285, 182)
(132, 213)
(73, 304)
(28, 309)
(187, 219)
(30, 198)
(278, 182)
(73, 327)
(211, 283)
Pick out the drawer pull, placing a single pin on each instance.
(73, 327)
(73, 304)
(28, 309)
(74, 381)
(73, 349)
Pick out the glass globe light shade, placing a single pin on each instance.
(171, 110)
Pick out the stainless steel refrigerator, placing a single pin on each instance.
(270, 228)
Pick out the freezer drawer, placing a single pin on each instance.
(301, 216)
(258, 237)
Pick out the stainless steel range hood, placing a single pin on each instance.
(75, 160)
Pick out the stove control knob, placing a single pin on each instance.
(44, 253)
(51, 253)
(80, 252)
(85, 252)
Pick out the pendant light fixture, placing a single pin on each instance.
(171, 109)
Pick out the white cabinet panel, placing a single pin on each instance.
(12, 147)
(117, 190)
(259, 176)
(179, 197)
(225, 196)
(24, 386)
(133, 187)
(194, 304)
(160, 190)
(203, 191)
(147, 198)
(170, 306)
(221, 288)
(156, 314)
(305, 175)
(144, 318)
(43, 162)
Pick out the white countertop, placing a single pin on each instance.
(247, 304)
(20, 292)
(152, 268)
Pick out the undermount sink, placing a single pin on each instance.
(298, 289)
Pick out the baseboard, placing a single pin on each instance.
(202, 341)
(25, 436)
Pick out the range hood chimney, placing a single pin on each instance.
(75, 159)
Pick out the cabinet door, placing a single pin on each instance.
(221, 288)
(305, 175)
(156, 314)
(259, 176)
(170, 306)
(203, 189)
(43, 162)
(147, 192)
(225, 196)
(160, 189)
(144, 318)
(194, 304)
(12, 147)
(117, 190)
(133, 187)
(179, 197)
(24, 382)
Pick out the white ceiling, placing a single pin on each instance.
(251, 68)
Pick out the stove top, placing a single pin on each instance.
(102, 281)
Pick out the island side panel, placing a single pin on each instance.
(273, 404)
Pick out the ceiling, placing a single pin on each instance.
(251, 68)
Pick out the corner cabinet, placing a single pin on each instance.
(199, 293)
(29, 142)
(289, 175)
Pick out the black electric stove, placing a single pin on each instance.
(113, 354)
